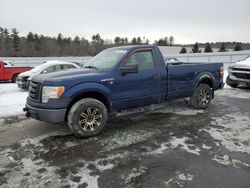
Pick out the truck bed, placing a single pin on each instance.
(182, 77)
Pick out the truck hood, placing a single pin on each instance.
(76, 76)
(29, 73)
(244, 63)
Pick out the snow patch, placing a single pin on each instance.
(234, 93)
(181, 142)
(204, 146)
(20, 177)
(160, 150)
(123, 139)
(174, 143)
(12, 100)
(233, 132)
(225, 160)
(134, 174)
(180, 179)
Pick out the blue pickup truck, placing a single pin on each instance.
(117, 79)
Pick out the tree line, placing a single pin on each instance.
(35, 45)
(208, 48)
(38, 45)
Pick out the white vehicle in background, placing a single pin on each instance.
(239, 73)
(24, 78)
(172, 60)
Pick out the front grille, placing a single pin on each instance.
(240, 69)
(241, 75)
(34, 90)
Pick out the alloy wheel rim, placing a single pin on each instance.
(90, 119)
(204, 96)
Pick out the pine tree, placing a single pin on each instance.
(77, 40)
(37, 42)
(126, 40)
(208, 48)
(1, 40)
(59, 39)
(171, 40)
(16, 40)
(222, 48)
(238, 47)
(134, 41)
(30, 37)
(139, 41)
(166, 41)
(97, 40)
(183, 50)
(196, 48)
(117, 40)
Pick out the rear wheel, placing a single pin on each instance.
(202, 96)
(231, 82)
(14, 78)
(87, 117)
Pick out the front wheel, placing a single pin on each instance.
(87, 117)
(202, 97)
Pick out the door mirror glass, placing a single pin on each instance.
(127, 69)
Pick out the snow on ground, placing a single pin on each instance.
(179, 179)
(12, 100)
(224, 78)
(235, 134)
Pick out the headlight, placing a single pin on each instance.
(51, 92)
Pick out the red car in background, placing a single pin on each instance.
(10, 73)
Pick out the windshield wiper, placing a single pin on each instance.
(90, 67)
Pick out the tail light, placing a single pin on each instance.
(222, 71)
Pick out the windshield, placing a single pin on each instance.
(107, 59)
(39, 67)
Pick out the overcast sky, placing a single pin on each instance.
(187, 20)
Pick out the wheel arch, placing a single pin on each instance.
(90, 94)
(14, 76)
(206, 79)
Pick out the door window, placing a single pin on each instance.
(68, 66)
(144, 60)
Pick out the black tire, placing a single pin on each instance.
(231, 82)
(202, 97)
(87, 117)
(27, 85)
(14, 78)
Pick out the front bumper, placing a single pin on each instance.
(47, 115)
(22, 83)
(240, 80)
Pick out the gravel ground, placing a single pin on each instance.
(175, 146)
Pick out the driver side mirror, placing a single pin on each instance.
(126, 69)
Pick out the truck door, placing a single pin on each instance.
(181, 79)
(141, 88)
